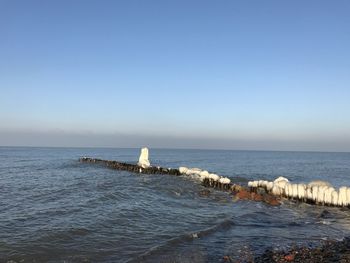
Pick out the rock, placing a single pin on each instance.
(289, 257)
(243, 194)
(227, 259)
(256, 197)
(324, 214)
(326, 252)
(271, 200)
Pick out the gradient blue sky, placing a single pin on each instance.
(185, 74)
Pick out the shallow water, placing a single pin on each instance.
(55, 209)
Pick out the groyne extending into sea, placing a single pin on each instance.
(271, 192)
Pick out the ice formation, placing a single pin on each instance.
(212, 179)
(319, 192)
(143, 160)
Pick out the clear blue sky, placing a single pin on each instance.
(188, 74)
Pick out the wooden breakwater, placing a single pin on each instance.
(131, 167)
(240, 192)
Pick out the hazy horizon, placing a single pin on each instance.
(266, 75)
(161, 142)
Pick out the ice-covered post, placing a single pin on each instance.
(143, 160)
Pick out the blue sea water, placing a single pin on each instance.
(55, 209)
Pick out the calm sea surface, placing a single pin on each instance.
(55, 209)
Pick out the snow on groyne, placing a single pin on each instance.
(315, 192)
(206, 178)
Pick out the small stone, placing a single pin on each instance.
(227, 258)
(289, 257)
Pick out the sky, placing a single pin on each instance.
(250, 75)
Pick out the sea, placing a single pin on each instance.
(55, 209)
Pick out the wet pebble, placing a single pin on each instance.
(328, 252)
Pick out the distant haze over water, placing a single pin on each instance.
(62, 139)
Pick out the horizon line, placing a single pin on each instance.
(167, 148)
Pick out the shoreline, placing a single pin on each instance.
(329, 251)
